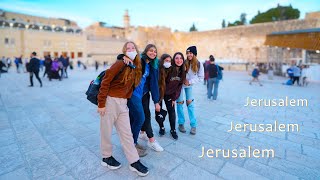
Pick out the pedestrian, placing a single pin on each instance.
(255, 75)
(214, 79)
(97, 65)
(172, 76)
(194, 74)
(113, 110)
(33, 68)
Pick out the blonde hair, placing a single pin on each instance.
(194, 63)
(136, 62)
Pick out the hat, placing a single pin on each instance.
(192, 49)
(161, 115)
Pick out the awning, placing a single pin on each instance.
(308, 39)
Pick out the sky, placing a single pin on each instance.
(175, 14)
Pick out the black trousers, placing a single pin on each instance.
(147, 122)
(171, 113)
(295, 78)
(37, 76)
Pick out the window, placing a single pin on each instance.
(6, 40)
(56, 54)
(12, 41)
(79, 54)
(72, 55)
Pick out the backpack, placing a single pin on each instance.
(255, 73)
(220, 74)
(289, 82)
(94, 87)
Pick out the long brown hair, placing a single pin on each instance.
(194, 64)
(182, 68)
(136, 62)
(163, 75)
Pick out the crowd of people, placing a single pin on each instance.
(298, 74)
(56, 68)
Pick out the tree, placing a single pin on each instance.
(276, 14)
(223, 23)
(193, 28)
(243, 18)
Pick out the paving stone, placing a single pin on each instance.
(10, 158)
(82, 163)
(20, 174)
(187, 171)
(267, 171)
(230, 171)
(294, 169)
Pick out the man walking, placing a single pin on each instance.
(33, 68)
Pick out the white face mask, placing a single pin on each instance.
(132, 55)
(167, 64)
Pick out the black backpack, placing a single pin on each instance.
(93, 89)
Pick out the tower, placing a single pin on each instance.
(126, 20)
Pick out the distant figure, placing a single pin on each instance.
(97, 65)
(54, 70)
(214, 73)
(79, 63)
(255, 75)
(104, 64)
(270, 72)
(33, 68)
(206, 72)
(16, 62)
(47, 65)
(296, 74)
(304, 75)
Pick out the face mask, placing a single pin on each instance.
(132, 55)
(167, 64)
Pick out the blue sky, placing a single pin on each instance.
(176, 14)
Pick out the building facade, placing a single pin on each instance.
(21, 34)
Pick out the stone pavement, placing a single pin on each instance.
(53, 133)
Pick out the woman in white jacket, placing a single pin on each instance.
(194, 74)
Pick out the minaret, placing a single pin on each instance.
(126, 20)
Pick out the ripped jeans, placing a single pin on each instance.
(180, 102)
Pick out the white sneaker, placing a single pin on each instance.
(143, 137)
(155, 146)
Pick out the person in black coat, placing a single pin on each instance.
(33, 68)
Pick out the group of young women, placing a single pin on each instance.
(124, 99)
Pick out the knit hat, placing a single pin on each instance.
(192, 49)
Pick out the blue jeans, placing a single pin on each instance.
(211, 82)
(136, 115)
(189, 96)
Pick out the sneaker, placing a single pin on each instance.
(155, 146)
(174, 134)
(182, 129)
(111, 163)
(142, 151)
(193, 131)
(143, 136)
(162, 131)
(139, 168)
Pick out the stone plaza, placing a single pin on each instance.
(53, 132)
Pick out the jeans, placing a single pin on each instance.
(192, 118)
(211, 82)
(147, 115)
(136, 115)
